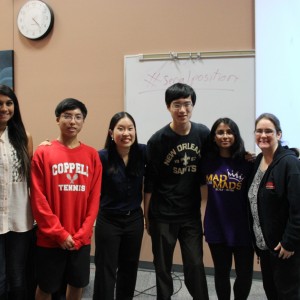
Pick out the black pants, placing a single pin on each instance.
(281, 277)
(118, 240)
(16, 265)
(222, 257)
(164, 237)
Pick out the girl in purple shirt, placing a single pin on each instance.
(224, 173)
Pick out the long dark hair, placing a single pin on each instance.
(17, 133)
(237, 150)
(134, 165)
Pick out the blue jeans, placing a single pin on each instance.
(14, 247)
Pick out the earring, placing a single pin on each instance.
(112, 138)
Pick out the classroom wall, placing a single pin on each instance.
(83, 56)
(277, 35)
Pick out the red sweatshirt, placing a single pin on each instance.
(65, 193)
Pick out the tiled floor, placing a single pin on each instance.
(145, 287)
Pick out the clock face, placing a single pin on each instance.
(35, 19)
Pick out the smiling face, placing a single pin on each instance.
(224, 138)
(6, 110)
(266, 136)
(124, 133)
(70, 123)
(181, 110)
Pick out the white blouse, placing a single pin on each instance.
(15, 210)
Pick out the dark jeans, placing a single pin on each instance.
(243, 258)
(15, 270)
(118, 240)
(281, 277)
(164, 237)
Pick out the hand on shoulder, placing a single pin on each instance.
(249, 156)
(45, 143)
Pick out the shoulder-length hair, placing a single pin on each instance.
(273, 119)
(237, 150)
(135, 158)
(17, 133)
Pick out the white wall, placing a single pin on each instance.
(277, 38)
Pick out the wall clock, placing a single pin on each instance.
(35, 19)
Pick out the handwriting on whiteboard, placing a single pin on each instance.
(212, 79)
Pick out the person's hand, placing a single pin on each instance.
(284, 254)
(250, 156)
(45, 143)
(147, 224)
(68, 244)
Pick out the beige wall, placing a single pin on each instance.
(83, 56)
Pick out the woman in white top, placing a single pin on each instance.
(16, 220)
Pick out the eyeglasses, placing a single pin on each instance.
(186, 105)
(69, 117)
(267, 132)
(221, 133)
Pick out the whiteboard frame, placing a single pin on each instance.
(246, 129)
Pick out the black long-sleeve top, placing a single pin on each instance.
(278, 200)
(121, 192)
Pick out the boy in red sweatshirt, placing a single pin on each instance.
(65, 193)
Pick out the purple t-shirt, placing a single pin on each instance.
(226, 218)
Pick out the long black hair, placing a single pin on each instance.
(237, 150)
(17, 133)
(135, 158)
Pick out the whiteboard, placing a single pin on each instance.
(225, 87)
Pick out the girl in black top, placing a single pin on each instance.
(120, 225)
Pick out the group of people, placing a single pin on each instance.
(253, 205)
